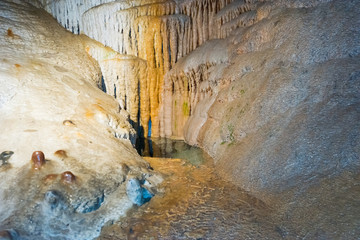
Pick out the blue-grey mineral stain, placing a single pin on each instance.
(5, 156)
(136, 193)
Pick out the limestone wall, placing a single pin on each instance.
(84, 166)
(268, 88)
(280, 110)
(157, 31)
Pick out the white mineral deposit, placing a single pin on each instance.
(179, 119)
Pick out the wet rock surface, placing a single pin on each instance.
(136, 192)
(195, 203)
(46, 206)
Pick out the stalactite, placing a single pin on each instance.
(161, 44)
(124, 77)
(183, 90)
(230, 12)
(149, 32)
(202, 13)
(68, 12)
(244, 20)
(157, 33)
(99, 22)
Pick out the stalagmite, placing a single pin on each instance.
(68, 177)
(38, 160)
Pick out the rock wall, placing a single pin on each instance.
(268, 88)
(280, 109)
(84, 166)
(122, 76)
(157, 31)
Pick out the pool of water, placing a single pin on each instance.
(171, 148)
(193, 202)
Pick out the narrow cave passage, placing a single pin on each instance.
(268, 88)
(194, 203)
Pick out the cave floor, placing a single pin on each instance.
(195, 203)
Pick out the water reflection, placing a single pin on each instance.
(170, 148)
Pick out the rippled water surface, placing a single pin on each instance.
(194, 203)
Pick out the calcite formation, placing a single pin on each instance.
(66, 146)
(68, 177)
(268, 101)
(123, 75)
(269, 88)
(159, 32)
(37, 160)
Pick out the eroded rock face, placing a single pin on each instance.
(66, 146)
(266, 72)
(272, 93)
(155, 32)
(281, 109)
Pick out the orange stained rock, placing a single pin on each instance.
(68, 177)
(60, 153)
(99, 108)
(95, 109)
(87, 49)
(99, 101)
(89, 114)
(79, 135)
(10, 33)
(38, 160)
(150, 48)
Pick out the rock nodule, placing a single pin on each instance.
(38, 160)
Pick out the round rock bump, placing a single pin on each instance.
(38, 159)
(68, 177)
(61, 153)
